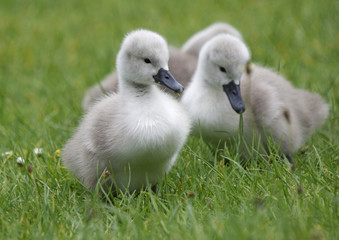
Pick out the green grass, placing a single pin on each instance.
(52, 51)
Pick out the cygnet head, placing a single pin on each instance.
(222, 61)
(143, 60)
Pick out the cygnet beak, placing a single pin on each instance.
(232, 91)
(165, 78)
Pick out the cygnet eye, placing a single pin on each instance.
(222, 69)
(147, 60)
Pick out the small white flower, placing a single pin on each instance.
(20, 160)
(37, 151)
(6, 154)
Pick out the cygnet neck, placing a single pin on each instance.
(134, 89)
(202, 80)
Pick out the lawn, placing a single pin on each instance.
(52, 51)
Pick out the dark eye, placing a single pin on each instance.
(146, 60)
(222, 69)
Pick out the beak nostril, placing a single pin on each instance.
(165, 78)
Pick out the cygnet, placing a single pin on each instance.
(133, 135)
(273, 106)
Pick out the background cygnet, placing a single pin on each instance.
(136, 134)
(273, 106)
(194, 44)
(182, 63)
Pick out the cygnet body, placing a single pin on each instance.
(137, 133)
(182, 63)
(273, 106)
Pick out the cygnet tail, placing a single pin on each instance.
(315, 110)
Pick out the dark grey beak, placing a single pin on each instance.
(165, 78)
(232, 91)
